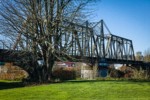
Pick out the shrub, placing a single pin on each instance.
(10, 72)
(116, 73)
(64, 73)
(140, 74)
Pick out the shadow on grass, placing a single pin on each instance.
(84, 81)
(10, 85)
(113, 80)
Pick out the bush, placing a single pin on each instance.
(64, 73)
(116, 73)
(19, 75)
(11, 72)
(140, 74)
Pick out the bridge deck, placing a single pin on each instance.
(11, 56)
(87, 43)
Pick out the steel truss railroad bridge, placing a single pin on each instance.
(91, 42)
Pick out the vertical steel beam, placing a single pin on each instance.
(82, 42)
(102, 43)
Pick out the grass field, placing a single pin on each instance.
(77, 90)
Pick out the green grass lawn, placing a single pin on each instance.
(77, 90)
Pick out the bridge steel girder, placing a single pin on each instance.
(78, 40)
(91, 41)
(119, 48)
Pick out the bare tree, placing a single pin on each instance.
(35, 26)
(139, 56)
(147, 55)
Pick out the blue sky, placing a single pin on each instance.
(127, 18)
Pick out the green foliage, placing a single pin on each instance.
(81, 90)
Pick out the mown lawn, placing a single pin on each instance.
(78, 90)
